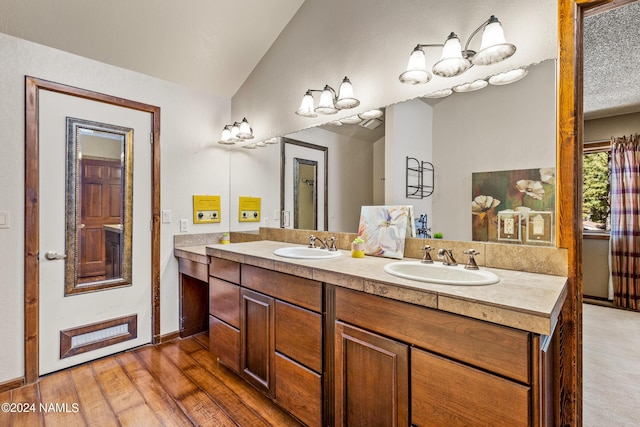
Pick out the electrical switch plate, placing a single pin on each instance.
(184, 225)
(4, 219)
(166, 217)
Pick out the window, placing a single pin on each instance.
(596, 172)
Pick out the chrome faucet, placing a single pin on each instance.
(471, 264)
(426, 259)
(312, 241)
(332, 246)
(447, 256)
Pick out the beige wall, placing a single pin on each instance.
(604, 128)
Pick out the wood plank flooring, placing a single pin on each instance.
(177, 383)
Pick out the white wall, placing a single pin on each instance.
(408, 133)
(603, 129)
(378, 172)
(370, 41)
(350, 176)
(192, 163)
(497, 128)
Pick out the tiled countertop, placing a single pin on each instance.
(527, 301)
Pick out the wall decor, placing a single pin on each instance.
(384, 228)
(516, 206)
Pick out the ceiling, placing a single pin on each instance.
(210, 45)
(213, 45)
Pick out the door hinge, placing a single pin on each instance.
(150, 137)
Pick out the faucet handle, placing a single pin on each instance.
(471, 264)
(426, 259)
(312, 241)
(333, 247)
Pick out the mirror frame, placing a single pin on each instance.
(296, 190)
(326, 177)
(73, 202)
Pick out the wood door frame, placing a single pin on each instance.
(32, 215)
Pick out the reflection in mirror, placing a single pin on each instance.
(305, 197)
(98, 206)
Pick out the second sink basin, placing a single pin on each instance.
(442, 274)
(302, 252)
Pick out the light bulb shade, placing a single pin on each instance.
(225, 138)
(235, 130)
(245, 131)
(351, 120)
(416, 72)
(346, 99)
(326, 104)
(507, 77)
(438, 93)
(470, 87)
(371, 114)
(306, 106)
(451, 63)
(274, 140)
(494, 47)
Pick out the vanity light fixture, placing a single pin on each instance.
(330, 102)
(455, 60)
(507, 77)
(470, 87)
(236, 132)
(371, 114)
(351, 120)
(438, 93)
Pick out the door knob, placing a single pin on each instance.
(51, 255)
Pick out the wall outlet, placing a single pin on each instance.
(184, 225)
(4, 220)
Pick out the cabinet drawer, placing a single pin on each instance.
(299, 335)
(225, 270)
(224, 301)
(224, 343)
(296, 290)
(448, 393)
(193, 269)
(496, 348)
(299, 390)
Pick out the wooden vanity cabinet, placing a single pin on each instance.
(224, 312)
(461, 371)
(194, 309)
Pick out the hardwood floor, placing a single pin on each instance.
(177, 383)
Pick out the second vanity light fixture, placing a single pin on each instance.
(236, 132)
(455, 61)
(330, 101)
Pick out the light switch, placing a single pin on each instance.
(4, 219)
(166, 217)
(184, 225)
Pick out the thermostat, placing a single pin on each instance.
(249, 209)
(206, 209)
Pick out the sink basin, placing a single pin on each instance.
(302, 252)
(442, 274)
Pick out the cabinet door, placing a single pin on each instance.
(299, 390)
(257, 340)
(224, 301)
(444, 392)
(299, 335)
(224, 343)
(371, 379)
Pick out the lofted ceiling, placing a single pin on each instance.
(213, 45)
(210, 45)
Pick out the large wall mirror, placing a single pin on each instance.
(498, 128)
(98, 206)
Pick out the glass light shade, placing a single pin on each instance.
(274, 140)
(335, 123)
(245, 131)
(326, 105)
(494, 47)
(260, 144)
(225, 138)
(371, 114)
(438, 93)
(416, 72)
(508, 76)
(306, 106)
(451, 63)
(470, 87)
(351, 120)
(235, 130)
(346, 99)
(250, 146)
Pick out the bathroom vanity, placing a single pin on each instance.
(341, 342)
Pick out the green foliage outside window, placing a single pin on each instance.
(596, 187)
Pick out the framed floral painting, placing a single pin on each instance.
(505, 204)
(384, 229)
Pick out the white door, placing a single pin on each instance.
(291, 152)
(57, 311)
